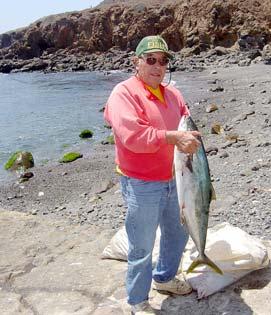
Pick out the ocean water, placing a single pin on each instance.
(45, 113)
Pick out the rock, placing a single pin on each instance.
(109, 140)
(20, 160)
(253, 54)
(212, 153)
(70, 157)
(86, 133)
(244, 63)
(211, 149)
(266, 51)
(255, 168)
(224, 155)
(211, 108)
(104, 186)
(217, 89)
(231, 136)
(212, 81)
(217, 129)
(26, 176)
(107, 126)
(264, 144)
(6, 67)
(35, 65)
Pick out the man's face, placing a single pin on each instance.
(151, 75)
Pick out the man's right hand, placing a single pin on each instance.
(185, 141)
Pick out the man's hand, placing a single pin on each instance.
(185, 141)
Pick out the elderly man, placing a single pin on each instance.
(144, 114)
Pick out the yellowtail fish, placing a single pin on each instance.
(195, 193)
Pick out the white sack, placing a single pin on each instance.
(233, 250)
(118, 246)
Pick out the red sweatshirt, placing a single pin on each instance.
(140, 121)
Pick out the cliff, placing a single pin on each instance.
(190, 26)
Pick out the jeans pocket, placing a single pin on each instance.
(143, 188)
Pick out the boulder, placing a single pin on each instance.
(70, 157)
(86, 133)
(20, 160)
(267, 51)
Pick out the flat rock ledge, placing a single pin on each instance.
(50, 267)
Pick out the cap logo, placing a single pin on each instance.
(156, 45)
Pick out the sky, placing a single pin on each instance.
(19, 13)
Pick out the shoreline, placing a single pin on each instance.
(87, 191)
(111, 61)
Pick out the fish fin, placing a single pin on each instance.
(204, 261)
(213, 194)
(188, 163)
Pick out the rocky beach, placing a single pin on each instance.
(55, 225)
(235, 99)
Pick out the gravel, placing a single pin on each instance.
(87, 190)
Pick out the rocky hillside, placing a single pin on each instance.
(190, 26)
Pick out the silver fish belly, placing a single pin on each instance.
(195, 193)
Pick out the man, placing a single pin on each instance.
(144, 115)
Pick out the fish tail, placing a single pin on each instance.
(204, 261)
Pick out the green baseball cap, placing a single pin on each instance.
(151, 44)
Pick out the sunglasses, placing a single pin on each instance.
(152, 61)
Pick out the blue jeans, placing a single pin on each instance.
(151, 204)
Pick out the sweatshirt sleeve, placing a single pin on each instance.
(130, 124)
